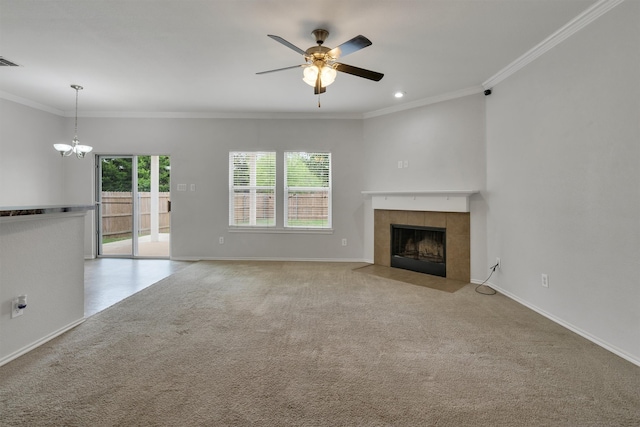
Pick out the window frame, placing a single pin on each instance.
(289, 189)
(253, 190)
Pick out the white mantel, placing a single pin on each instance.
(440, 201)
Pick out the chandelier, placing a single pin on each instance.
(76, 148)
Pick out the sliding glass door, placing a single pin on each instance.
(134, 206)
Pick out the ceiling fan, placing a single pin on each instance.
(321, 62)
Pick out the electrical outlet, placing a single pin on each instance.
(545, 280)
(221, 240)
(15, 311)
(344, 242)
(498, 263)
(405, 163)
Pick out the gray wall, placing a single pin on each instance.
(563, 181)
(42, 258)
(199, 150)
(31, 171)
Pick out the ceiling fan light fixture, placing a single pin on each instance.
(399, 94)
(310, 74)
(327, 75)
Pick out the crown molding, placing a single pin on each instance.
(213, 115)
(177, 114)
(333, 116)
(585, 18)
(29, 103)
(425, 101)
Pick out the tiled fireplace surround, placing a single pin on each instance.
(407, 211)
(457, 244)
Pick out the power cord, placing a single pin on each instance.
(493, 291)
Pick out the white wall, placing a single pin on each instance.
(444, 144)
(563, 181)
(31, 170)
(199, 150)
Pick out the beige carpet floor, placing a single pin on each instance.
(316, 344)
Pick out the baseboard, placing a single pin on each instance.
(269, 259)
(39, 342)
(612, 348)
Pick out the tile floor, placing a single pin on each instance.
(110, 280)
(146, 247)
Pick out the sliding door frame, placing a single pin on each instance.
(135, 209)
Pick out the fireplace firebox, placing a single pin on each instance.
(421, 249)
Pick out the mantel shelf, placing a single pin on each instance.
(440, 193)
(417, 200)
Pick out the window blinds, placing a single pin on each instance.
(307, 189)
(252, 180)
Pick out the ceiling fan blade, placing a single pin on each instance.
(360, 72)
(281, 69)
(350, 46)
(318, 89)
(287, 44)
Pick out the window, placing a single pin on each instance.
(252, 189)
(307, 190)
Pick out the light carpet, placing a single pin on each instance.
(316, 344)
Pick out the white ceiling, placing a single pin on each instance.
(200, 57)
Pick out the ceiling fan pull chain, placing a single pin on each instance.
(318, 100)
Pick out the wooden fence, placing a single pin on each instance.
(117, 212)
(308, 207)
(302, 207)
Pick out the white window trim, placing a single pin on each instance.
(278, 230)
(280, 177)
(252, 189)
(287, 190)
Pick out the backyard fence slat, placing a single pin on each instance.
(308, 207)
(117, 208)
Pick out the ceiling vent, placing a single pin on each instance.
(6, 63)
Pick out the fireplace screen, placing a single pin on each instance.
(421, 249)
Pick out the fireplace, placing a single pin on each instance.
(421, 249)
(457, 237)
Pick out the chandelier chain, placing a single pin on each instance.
(76, 125)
